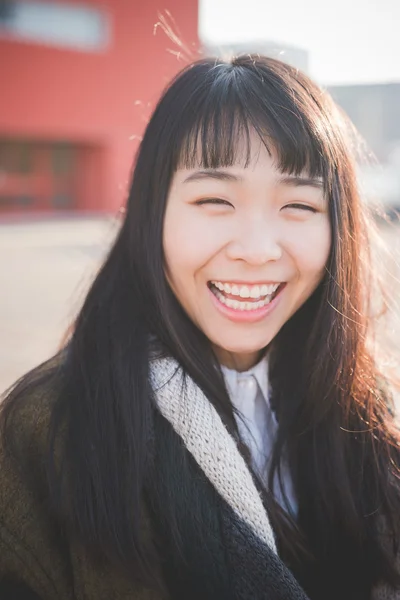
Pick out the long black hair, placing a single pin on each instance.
(335, 424)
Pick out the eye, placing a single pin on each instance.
(300, 206)
(215, 201)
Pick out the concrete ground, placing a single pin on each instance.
(45, 268)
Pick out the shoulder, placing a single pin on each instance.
(36, 550)
(28, 539)
(26, 411)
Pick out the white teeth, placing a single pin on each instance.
(232, 303)
(222, 298)
(255, 292)
(244, 292)
(262, 295)
(237, 305)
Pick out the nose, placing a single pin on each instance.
(256, 243)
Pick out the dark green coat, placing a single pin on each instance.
(32, 551)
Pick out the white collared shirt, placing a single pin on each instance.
(249, 394)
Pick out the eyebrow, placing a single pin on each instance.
(212, 174)
(298, 181)
(291, 180)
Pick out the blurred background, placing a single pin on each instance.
(78, 80)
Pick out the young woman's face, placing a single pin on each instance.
(245, 247)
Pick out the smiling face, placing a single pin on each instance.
(245, 247)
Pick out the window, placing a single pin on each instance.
(38, 174)
(70, 25)
(62, 158)
(15, 156)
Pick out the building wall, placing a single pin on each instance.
(375, 111)
(97, 100)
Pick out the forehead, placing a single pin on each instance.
(247, 149)
(242, 170)
(254, 161)
(225, 149)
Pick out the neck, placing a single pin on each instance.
(238, 361)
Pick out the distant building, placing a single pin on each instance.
(78, 81)
(293, 55)
(374, 109)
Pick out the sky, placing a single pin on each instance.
(349, 41)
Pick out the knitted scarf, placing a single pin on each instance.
(236, 557)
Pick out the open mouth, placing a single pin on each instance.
(245, 297)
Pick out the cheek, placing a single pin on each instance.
(311, 252)
(187, 249)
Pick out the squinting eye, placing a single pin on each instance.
(299, 206)
(217, 201)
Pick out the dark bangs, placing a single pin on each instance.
(224, 103)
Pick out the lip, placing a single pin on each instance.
(246, 316)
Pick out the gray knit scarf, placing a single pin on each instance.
(254, 569)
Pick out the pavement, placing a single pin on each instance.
(46, 267)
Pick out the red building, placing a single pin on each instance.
(78, 81)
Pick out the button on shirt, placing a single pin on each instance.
(249, 394)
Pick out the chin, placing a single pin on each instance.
(241, 349)
(245, 350)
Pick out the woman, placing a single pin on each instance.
(217, 426)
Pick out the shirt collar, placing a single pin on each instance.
(259, 372)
